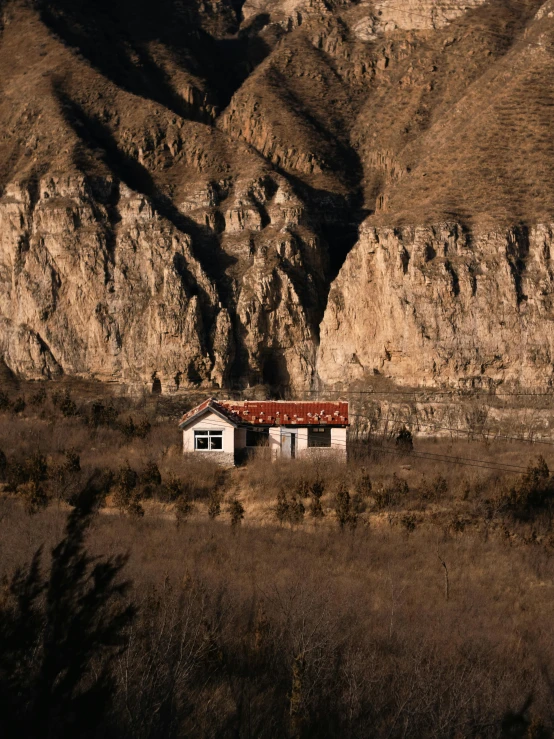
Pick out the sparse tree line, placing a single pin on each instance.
(527, 501)
(93, 414)
(39, 483)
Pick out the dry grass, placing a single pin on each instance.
(364, 612)
(442, 479)
(381, 640)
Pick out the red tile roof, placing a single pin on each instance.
(277, 412)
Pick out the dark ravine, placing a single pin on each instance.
(296, 193)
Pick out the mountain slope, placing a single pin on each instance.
(181, 184)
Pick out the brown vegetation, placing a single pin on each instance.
(388, 597)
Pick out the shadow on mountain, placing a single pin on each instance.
(115, 37)
(340, 216)
(205, 246)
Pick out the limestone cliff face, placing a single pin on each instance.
(377, 17)
(96, 283)
(181, 185)
(388, 16)
(433, 305)
(110, 303)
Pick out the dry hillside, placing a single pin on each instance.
(185, 184)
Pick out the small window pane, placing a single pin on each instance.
(216, 442)
(201, 442)
(206, 440)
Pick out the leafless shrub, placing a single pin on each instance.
(38, 398)
(34, 497)
(391, 494)
(434, 489)
(173, 488)
(236, 512)
(344, 510)
(184, 508)
(126, 496)
(214, 505)
(409, 523)
(151, 474)
(282, 507)
(363, 484)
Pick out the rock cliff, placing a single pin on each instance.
(222, 193)
(440, 306)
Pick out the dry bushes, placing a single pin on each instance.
(138, 454)
(533, 492)
(346, 513)
(282, 633)
(265, 480)
(289, 510)
(337, 622)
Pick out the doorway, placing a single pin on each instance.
(288, 444)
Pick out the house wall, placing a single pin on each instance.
(338, 439)
(338, 444)
(275, 441)
(212, 422)
(337, 449)
(301, 441)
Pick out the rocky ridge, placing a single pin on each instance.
(296, 193)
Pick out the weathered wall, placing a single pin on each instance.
(275, 442)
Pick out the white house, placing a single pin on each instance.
(226, 429)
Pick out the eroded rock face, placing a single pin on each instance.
(96, 283)
(180, 187)
(388, 16)
(373, 18)
(290, 13)
(436, 306)
(106, 305)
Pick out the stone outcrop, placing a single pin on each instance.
(372, 18)
(438, 306)
(388, 16)
(109, 306)
(133, 303)
(222, 194)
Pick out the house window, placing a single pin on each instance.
(208, 441)
(319, 437)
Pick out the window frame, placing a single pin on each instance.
(208, 434)
(326, 437)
